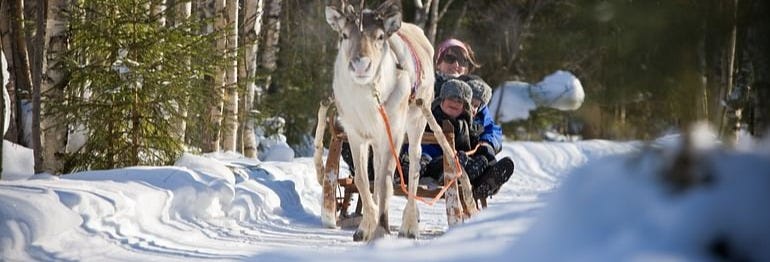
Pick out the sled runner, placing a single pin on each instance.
(338, 192)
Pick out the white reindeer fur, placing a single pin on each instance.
(361, 120)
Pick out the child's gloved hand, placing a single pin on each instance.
(487, 151)
(462, 157)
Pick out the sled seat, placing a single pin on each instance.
(345, 188)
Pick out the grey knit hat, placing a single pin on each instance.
(454, 88)
(481, 90)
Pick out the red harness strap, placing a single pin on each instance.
(417, 65)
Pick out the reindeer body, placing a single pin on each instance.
(379, 61)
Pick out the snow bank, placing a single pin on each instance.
(621, 208)
(18, 161)
(513, 100)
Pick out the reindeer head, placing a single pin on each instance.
(363, 36)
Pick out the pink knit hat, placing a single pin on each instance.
(447, 44)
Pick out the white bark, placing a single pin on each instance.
(230, 124)
(252, 27)
(182, 13)
(157, 9)
(54, 134)
(215, 111)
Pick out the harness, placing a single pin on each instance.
(417, 65)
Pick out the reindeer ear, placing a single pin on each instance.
(335, 19)
(390, 13)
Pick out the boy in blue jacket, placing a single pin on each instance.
(458, 102)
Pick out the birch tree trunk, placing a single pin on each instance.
(182, 12)
(36, 70)
(54, 134)
(214, 118)
(157, 9)
(267, 63)
(431, 29)
(230, 124)
(252, 27)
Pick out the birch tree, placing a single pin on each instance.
(212, 139)
(36, 70)
(230, 110)
(54, 135)
(209, 137)
(252, 26)
(182, 13)
(158, 11)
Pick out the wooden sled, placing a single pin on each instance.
(339, 192)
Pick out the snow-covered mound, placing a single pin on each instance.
(513, 100)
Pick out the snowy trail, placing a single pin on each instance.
(233, 209)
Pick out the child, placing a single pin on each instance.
(485, 173)
(455, 103)
(486, 137)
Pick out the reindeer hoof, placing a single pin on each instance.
(358, 236)
(384, 223)
(407, 235)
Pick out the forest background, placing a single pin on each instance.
(146, 80)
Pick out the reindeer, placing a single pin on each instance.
(381, 62)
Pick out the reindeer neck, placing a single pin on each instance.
(380, 86)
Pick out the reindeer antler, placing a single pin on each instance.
(347, 10)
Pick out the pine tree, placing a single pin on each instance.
(127, 76)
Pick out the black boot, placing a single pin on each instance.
(493, 178)
(475, 166)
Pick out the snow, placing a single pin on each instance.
(18, 161)
(513, 100)
(274, 146)
(590, 200)
(560, 90)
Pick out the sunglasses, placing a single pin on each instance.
(451, 59)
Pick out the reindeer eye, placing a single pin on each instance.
(345, 36)
(380, 37)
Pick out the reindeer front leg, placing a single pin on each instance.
(410, 226)
(360, 152)
(385, 165)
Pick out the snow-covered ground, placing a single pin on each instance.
(586, 201)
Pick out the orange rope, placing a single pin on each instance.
(401, 172)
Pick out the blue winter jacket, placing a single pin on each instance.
(493, 133)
